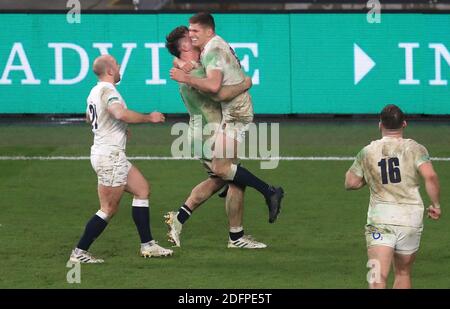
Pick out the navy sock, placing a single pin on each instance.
(184, 213)
(236, 236)
(244, 178)
(94, 228)
(141, 217)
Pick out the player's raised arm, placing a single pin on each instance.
(178, 63)
(129, 116)
(228, 93)
(432, 187)
(185, 66)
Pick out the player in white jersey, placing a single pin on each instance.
(109, 116)
(223, 69)
(391, 167)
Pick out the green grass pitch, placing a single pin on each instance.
(317, 242)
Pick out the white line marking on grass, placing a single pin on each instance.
(157, 158)
(41, 158)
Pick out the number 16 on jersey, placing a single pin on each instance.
(391, 167)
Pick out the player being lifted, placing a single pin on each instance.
(109, 116)
(223, 68)
(204, 111)
(391, 167)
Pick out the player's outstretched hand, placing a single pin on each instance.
(178, 75)
(433, 212)
(157, 117)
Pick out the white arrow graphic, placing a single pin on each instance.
(362, 63)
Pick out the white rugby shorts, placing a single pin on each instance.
(404, 239)
(112, 169)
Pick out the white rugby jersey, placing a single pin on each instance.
(390, 167)
(218, 55)
(110, 134)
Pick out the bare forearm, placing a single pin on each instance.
(178, 63)
(353, 182)
(203, 84)
(433, 189)
(349, 186)
(130, 116)
(211, 84)
(228, 93)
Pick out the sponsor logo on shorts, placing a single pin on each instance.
(377, 235)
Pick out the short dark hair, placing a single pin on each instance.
(204, 19)
(173, 38)
(392, 117)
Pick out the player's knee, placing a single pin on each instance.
(219, 169)
(402, 271)
(214, 166)
(143, 191)
(109, 209)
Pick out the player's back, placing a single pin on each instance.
(390, 166)
(109, 133)
(217, 54)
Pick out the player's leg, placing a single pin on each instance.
(109, 202)
(224, 166)
(381, 257)
(224, 155)
(381, 239)
(111, 183)
(405, 254)
(402, 267)
(202, 192)
(139, 187)
(234, 205)
(109, 198)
